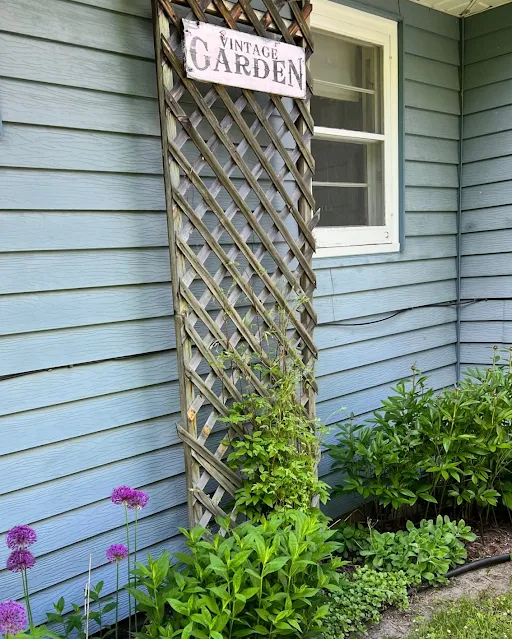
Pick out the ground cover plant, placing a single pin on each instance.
(484, 618)
(424, 453)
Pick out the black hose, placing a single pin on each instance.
(479, 563)
(469, 567)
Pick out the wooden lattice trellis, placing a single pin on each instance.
(238, 170)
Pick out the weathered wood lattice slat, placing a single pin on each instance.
(238, 170)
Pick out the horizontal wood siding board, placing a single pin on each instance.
(416, 15)
(61, 385)
(50, 148)
(54, 190)
(431, 45)
(487, 195)
(55, 63)
(500, 310)
(487, 265)
(498, 287)
(330, 336)
(431, 72)
(57, 20)
(344, 358)
(31, 312)
(385, 300)
(487, 122)
(51, 271)
(430, 199)
(50, 231)
(430, 174)
(29, 429)
(486, 147)
(351, 279)
(344, 383)
(431, 123)
(488, 97)
(493, 332)
(488, 21)
(488, 171)
(487, 72)
(489, 45)
(141, 8)
(69, 347)
(69, 107)
(486, 243)
(495, 219)
(423, 149)
(421, 224)
(425, 96)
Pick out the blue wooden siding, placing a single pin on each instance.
(359, 364)
(88, 377)
(487, 181)
(88, 391)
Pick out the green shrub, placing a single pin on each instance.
(450, 450)
(256, 580)
(424, 553)
(360, 601)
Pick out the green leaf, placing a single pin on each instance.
(274, 565)
(178, 606)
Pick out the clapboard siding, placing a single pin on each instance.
(487, 194)
(88, 374)
(89, 395)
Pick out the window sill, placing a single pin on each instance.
(346, 251)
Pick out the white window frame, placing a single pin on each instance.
(331, 19)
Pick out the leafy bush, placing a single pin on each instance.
(453, 449)
(352, 538)
(278, 454)
(424, 553)
(257, 580)
(361, 598)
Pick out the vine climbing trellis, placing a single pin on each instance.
(238, 170)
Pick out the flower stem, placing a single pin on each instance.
(129, 573)
(135, 562)
(117, 600)
(24, 581)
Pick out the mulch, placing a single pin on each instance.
(496, 540)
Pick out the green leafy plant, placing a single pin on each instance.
(257, 580)
(353, 538)
(424, 553)
(277, 455)
(451, 450)
(360, 601)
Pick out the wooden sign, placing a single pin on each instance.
(237, 59)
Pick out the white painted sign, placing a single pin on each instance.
(237, 59)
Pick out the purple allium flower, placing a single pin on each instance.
(117, 552)
(19, 560)
(21, 537)
(121, 495)
(13, 618)
(138, 499)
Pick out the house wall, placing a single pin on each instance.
(359, 364)
(88, 377)
(88, 390)
(486, 245)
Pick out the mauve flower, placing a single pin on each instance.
(19, 560)
(21, 537)
(138, 499)
(121, 495)
(13, 618)
(117, 552)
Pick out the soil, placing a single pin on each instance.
(398, 624)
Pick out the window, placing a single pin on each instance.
(355, 108)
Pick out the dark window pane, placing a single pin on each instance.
(341, 206)
(339, 161)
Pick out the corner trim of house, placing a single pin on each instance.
(460, 167)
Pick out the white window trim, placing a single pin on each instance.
(335, 19)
